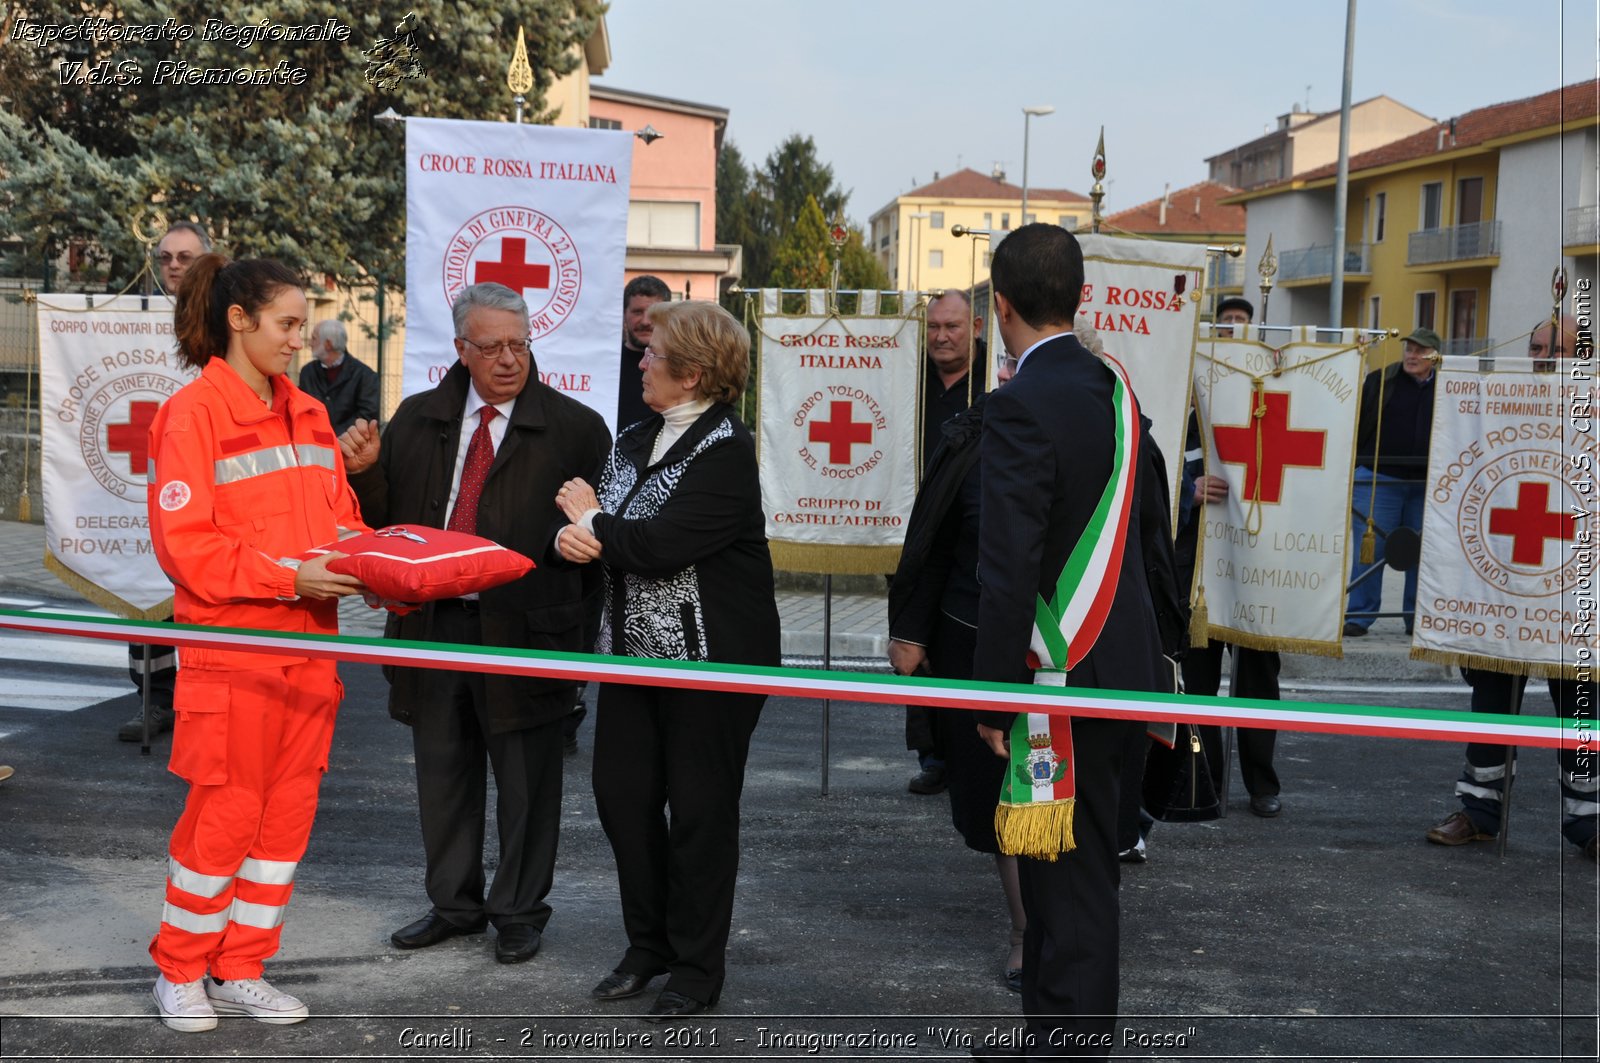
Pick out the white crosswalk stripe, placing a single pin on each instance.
(86, 666)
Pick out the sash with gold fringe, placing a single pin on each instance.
(1034, 816)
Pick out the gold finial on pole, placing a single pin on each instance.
(838, 234)
(519, 75)
(1268, 269)
(1097, 170)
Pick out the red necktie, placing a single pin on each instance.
(480, 455)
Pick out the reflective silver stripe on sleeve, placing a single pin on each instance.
(194, 882)
(312, 454)
(256, 463)
(268, 872)
(260, 916)
(194, 923)
(345, 533)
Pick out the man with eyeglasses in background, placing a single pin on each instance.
(485, 452)
(184, 242)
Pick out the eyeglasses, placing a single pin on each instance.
(182, 258)
(1008, 363)
(650, 355)
(518, 348)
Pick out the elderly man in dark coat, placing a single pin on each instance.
(485, 452)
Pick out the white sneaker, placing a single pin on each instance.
(256, 998)
(184, 1006)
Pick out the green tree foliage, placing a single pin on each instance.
(767, 211)
(94, 130)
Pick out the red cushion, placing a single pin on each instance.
(410, 563)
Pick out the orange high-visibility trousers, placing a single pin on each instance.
(253, 744)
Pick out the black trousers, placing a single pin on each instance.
(1070, 968)
(668, 773)
(1258, 678)
(454, 749)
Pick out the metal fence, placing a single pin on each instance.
(1304, 263)
(1456, 244)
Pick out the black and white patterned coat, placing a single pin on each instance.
(688, 573)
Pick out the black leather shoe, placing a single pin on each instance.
(517, 942)
(1353, 630)
(430, 930)
(161, 720)
(620, 985)
(927, 781)
(1266, 805)
(1014, 979)
(673, 1005)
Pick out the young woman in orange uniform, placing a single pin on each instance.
(247, 477)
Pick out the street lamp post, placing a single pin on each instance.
(1028, 114)
(914, 267)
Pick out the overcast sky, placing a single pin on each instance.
(894, 90)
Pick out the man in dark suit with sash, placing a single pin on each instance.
(1063, 601)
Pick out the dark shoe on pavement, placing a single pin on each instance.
(1353, 630)
(673, 1005)
(161, 717)
(1591, 848)
(620, 985)
(1457, 829)
(1265, 805)
(430, 930)
(1014, 979)
(927, 781)
(1134, 855)
(517, 942)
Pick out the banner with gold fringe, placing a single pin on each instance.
(1278, 420)
(1507, 575)
(104, 370)
(837, 402)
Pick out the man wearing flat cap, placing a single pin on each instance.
(1391, 461)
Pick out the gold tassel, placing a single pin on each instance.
(1200, 621)
(1369, 544)
(24, 506)
(1041, 831)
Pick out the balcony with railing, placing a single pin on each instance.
(1459, 243)
(1583, 226)
(1314, 264)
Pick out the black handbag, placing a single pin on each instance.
(1178, 784)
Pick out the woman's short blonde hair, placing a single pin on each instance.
(701, 335)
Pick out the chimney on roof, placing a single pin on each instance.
(1452, 132)
(1440, 145)
(998, 172)
(1197, 206)
(936, 175)
(1164, 197)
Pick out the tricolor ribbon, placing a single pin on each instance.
(1444, 725)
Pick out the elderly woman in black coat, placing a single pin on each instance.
(677, 525)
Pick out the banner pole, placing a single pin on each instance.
(1513, 709)
(827, 666)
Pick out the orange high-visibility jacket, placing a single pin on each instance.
(238, 492)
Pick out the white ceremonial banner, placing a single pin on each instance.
(103, 373)
(1508, 523)
(541, 210)
(838, 407)
(1279, 425)
(1142, 297)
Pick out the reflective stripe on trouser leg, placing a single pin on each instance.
(257, 824)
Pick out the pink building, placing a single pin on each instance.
(672, 210)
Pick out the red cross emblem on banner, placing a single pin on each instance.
(133, 438)
(840, 431)
(1280, 447)
(1531, 523)
(513, 270)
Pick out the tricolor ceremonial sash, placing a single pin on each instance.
(1279, 425)
(1039, 790)
(837, 401)
(1507, 580)
(103, 373)
(543, 211)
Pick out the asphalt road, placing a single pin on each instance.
(863, 927)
